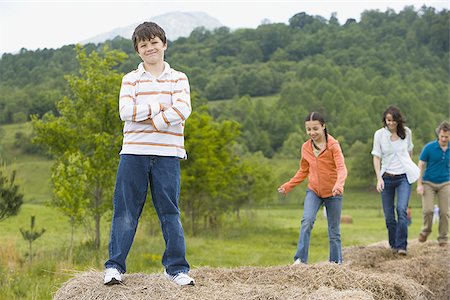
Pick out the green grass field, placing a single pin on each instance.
(264, 236)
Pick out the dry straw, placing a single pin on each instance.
(372, 272)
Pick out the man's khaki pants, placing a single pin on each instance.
(430, 191)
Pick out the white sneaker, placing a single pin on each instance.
(180, 278)
(112, 276)
(297, 262)
(402, 252)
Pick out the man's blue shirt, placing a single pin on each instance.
(438, 163)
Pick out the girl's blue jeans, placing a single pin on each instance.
(312, 205)
(134, 175)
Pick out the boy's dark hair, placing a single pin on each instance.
(397, 116)
(315, 116)
(147, 31)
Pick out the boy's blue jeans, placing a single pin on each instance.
(312, 205)
(397, 228)
(134, 174)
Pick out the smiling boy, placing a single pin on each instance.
(154, 104)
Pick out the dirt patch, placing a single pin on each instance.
(372, 272)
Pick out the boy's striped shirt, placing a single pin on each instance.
(165, 101)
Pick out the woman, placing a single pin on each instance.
(322, 162)
(395, 171)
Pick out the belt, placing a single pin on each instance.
(392, 175)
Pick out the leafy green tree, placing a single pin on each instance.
(293, 145)
(255, 183)
(221, 87)
(206, 173)
(360, 164)
(250, 52)
(70, 189)
(216, 178)
(256, 81)
(10, 198)
(300, 20)
(87, 130)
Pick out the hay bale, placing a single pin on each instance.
(372, 272)
(346, 219)
(325, 293)
(427, 264)
(281, 282)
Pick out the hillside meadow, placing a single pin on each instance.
(262, 236)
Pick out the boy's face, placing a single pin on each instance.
(151, 51)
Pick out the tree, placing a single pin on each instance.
(31, 235)
(360, 165)
(87, 133)
(10, 198)
(69, 174)
(218, 179)
(207, 172)
(221, 87)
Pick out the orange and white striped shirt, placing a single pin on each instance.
(165, 101)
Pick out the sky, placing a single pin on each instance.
(37, 24)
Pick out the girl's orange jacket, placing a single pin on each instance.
(324, 172)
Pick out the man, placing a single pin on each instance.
(434, 164)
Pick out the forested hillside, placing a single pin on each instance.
(351, 72)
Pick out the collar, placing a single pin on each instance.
(437, 145)
(141, 70)
(387, 131)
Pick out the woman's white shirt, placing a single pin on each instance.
(394, 155)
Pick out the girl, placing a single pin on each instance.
(322, 162)
(395, 171)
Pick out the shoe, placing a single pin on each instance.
(402, 252)
(181, 279)
(112, 276)
(422, 238)
(297, 262)
(443, 244)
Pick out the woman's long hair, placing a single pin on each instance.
(397, 116)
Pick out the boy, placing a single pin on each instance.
(154, 103)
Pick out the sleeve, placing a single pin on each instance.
(128, 109)
(340, 167)
(376, 150)
(299, 177)
(409, 139)
(181, 106)
(424, 154)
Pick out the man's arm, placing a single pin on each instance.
(422, 166)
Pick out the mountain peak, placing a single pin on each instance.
(176, 24)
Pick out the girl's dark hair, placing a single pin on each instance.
(315, 116)
(147, 31)
(397, 116)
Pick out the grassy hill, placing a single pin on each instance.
(33, 171)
